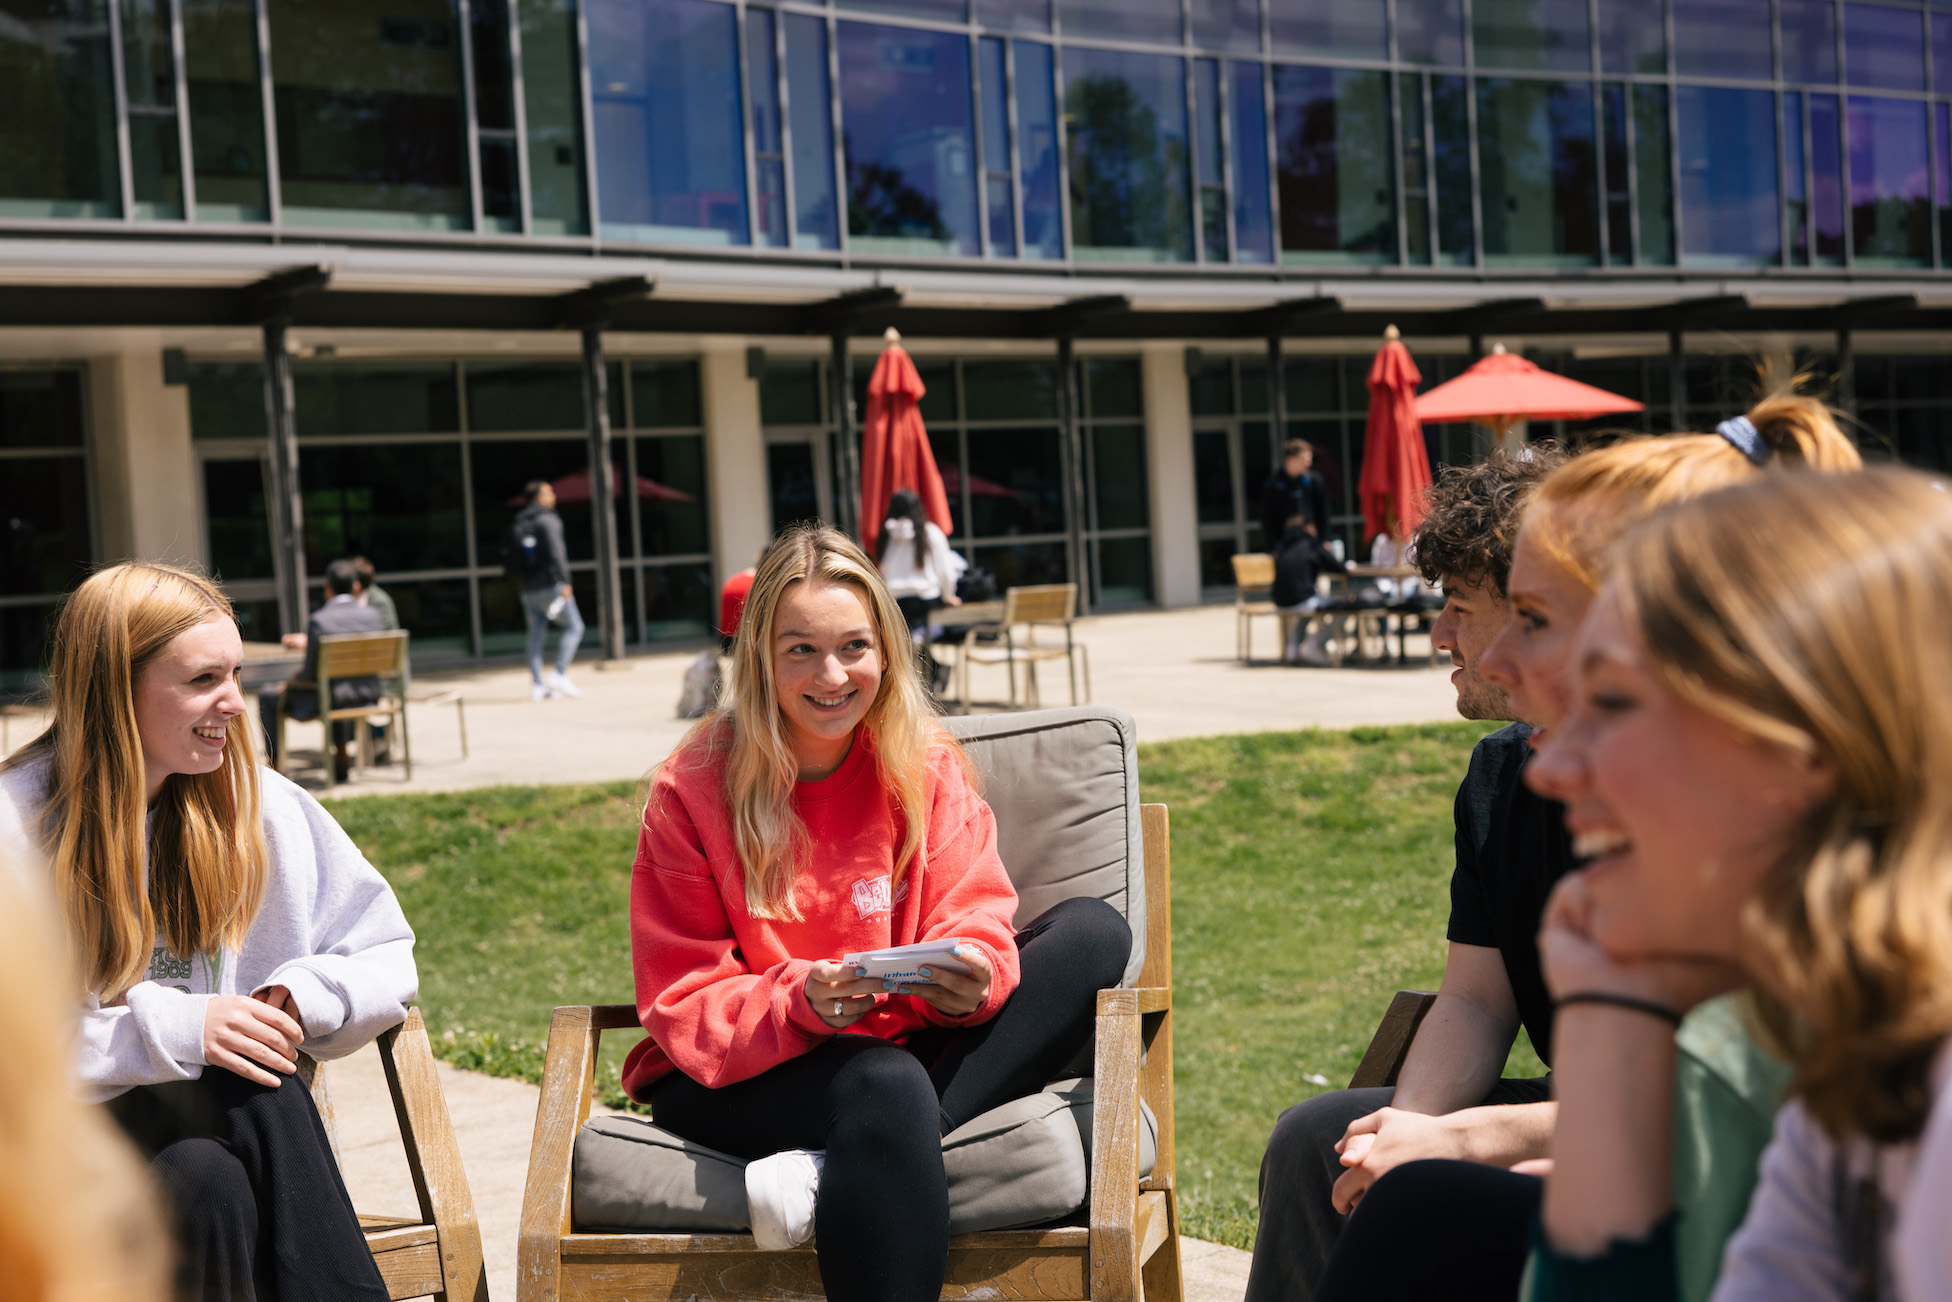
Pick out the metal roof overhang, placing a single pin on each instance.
(164, 284)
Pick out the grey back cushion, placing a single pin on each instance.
(1065, 788)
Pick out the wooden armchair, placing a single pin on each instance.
(1382, 1062)
(360, 655)
(1122, 1247)
(1254, 598)
(437, 1254)
(1025, 610)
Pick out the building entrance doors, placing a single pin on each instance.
(237, 539)
(799, 477)
(1232, 460)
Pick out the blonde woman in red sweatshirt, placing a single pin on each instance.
(821, 811)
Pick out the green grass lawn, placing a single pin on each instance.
(1310, 877)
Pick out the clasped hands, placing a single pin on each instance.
(841, 996)
(253, 1035)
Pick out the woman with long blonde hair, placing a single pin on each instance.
(218, 918)
(822, 812)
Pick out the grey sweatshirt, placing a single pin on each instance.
(329, 930)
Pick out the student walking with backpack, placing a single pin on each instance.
(535, 557)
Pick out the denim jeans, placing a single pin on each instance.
(535, 607)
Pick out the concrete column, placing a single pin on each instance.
(1169, 471)
(145, 472)
(735, 452)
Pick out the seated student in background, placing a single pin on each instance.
(823, 811)
(341, 613)
(372, 594)
(1511, 847)
(1473, 1218)
(1757, 768)
(220, 920)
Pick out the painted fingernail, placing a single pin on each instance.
(902, 990)
(887, 985)
(927, 973)
(860, 971)
(956, 950)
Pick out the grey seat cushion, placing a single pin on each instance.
(1065, 788)
(1024, 1163)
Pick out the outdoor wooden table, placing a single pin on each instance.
(966, 616)
(266, 663)
(1396, 572)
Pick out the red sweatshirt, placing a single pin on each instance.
(723, 994)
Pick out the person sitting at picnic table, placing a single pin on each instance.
(220, 920)
(822, 811)
(341, 613)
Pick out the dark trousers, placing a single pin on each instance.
(916, 611)
(880, 1109)
(304, 707)
(1299, 1225)
(253, 1193)
(1469, 1224)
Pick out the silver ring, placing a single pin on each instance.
(836, 1008)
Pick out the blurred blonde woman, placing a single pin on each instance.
(822, 812)
(79, 1220)
(1758, 767)
(219, 919)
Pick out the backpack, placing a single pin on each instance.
(521, 550)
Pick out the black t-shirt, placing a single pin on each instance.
(1512, 848)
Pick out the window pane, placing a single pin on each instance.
(552, 99)
(1632, 36)
(1211, 159)
(1535, 155)
(789, 394)
(1653, 175)
(790, 477)
(1884, 47)
(1118, 474)
(664, 82)
(1942, 177)
(1890, 222)
(999, 201)
(45, 548)
(672, 495)
(1531, 34)
(1013, 390)
(399, 505)
(1126, 20)
(1024, 564)
(1619, 238)
(57, 110)
(665, 394)
(762, 72)
(227, 400)
(1827, 178)
(1415, 151)
(1332, 131)
(501, 470)
(1722, 38)
(1124, 570)
(1112, 387)
(1043, 220)
(220, 61)
(494, 78)
(500, 185)
(1126, 114)
(1942, 52)
(525, 396)
(386, 150)
(909, 141)
(411, 398)
(1015, 15)
(1809, 40)
(1430, 31)
(1796, 197)
(1213, 477)
(1450, 107)
(1353, 28)
(435, 611)
(1016, 481)
(1210, 389)
(42, 409)
(1729, 193)
(149, 76)
(239, 520)
(678, 601)
(1253, 224)
(947, 11)
(811, 108)
(1233, 25)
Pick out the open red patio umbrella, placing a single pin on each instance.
(573, 489)
(1395, 479)
(895, 450)
(1502, 389)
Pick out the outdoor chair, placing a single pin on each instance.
(1067, 1194)
(360, 655)
(1382, 1061)
(1013, 641)
(1253, 598)
(438, 1253)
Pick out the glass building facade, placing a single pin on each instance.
(1712, 134)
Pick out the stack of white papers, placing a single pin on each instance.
(904, 962)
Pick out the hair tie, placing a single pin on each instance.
(1746, 438)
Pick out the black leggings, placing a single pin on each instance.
(1470, 1226)
(880, 1109)
(254, 1196)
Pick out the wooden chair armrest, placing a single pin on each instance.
(1115, 1123)
(1383, 1060)
(1134, 1001)
(568, 1087)
(434, 1156)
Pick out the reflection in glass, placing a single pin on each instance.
(525, 396)
(1118, 476)
(1827, 178)
(762, 73)
(1450, 137)
(1212, 163)
(435, 611)
(1043, 215)
(672, 495)
(1729, 191)
(552, 102)
(42, 409)
(45, 548)
(238, 518)
(57, 130)
(1124, 572)
(1723, 38)
(1125, 20)
(1884, 47)
(1126, 115)
(220, 64)
(1619, 206)
(149, 79)
(999, 188)
(1796, 193)
(944, 11)
(501, 469)
(1332, 136)
(1809, 40)
(1232, 25)
(382, 398)
(1022, 470)
(665, 394)
(1538, 173)
(1015, 15)
(1942, 174)
(908, 140)
(1253, 220)
(816, 223)
(1633, 37)
(369, 114)
(1890, 220)
(664, 87)
(678, 601)
(1332, 27)
(1416, 169)
(1010, 390)
(397, 504)
(1526, 34)
(1430, 31)
(1023, 564)
(1942, 52)
(494, 114)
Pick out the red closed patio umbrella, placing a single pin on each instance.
(1395, 481)
(895, 450)
(1501, 389)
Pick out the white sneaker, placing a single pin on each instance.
(560, 684)
(537, 692)
(780, 1194)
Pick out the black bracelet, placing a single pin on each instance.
(1607, 997)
